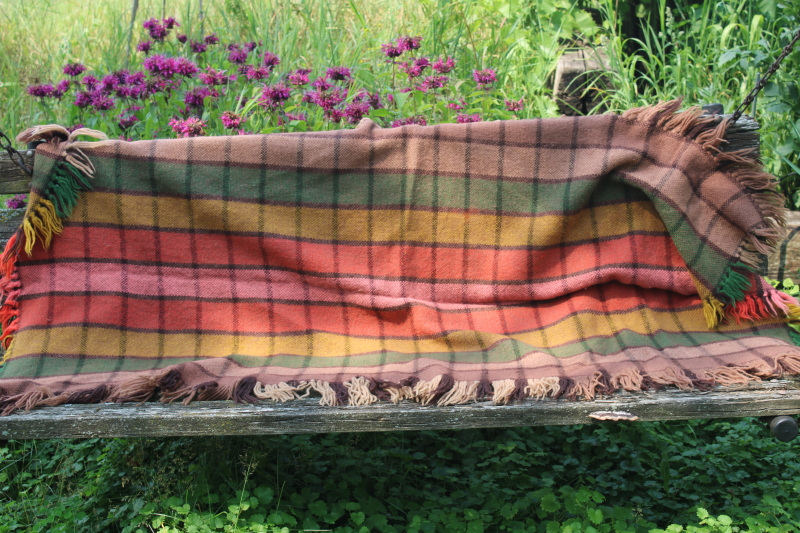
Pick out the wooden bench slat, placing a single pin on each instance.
(773, 398)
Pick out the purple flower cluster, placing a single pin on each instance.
(190, 127)
(396, 48)
(194, 98)
(236, 54)
(214, 77)
(273, 96)
(419, 120)
(514, 105)
(231, 120)
(159, 29)
(484, 78)
(17, 201)
(270, 61)
(167, 67)
(299, 77)
(217, 85)
(338, 74)
(74, 69)
(464, 118)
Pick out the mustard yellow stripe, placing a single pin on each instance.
(143, 344)
(351, 225)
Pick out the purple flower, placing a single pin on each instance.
(133, 109)
(155, 29)
(514, 105)
(434, 82)
(419, 120)
(197, 48)
(373, 99)
(170, 23)
(243, 132)
(126, 122)
(237, 57)
(321, 84)
(257, 73)
(409, 43)
(464, 118)
(355, 111)
(182, 38)
(296, 116)
(274, 95)
(144, 46)
(109, 83)
(74, 69)
(411, 69)
(299, 77)
(338, 74)
(443, 67)
(422, 62)
(41, 91)
(101, 101)
(17, 201)
(191, 127)
(211, 39)
(334, 115)
(215, 77)
(484, 77)
(75, 127)
(459, 106)
(231, 120)
(249, 46)
(184, 66)
(134, 78)
(194, 97)
(90, 81)
(327, 100)
(270, 60)
(391, 50)
(61, 88)
(159, 65)
(83, 99)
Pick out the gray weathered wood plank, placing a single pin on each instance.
(776, 397)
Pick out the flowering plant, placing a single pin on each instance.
(17, 201)
(189, 87)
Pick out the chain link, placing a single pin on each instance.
(16, 157)
(763, 81)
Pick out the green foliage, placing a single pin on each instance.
(598, 478)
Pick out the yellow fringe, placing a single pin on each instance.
(714, 311)
(40, 219)
(794, 313)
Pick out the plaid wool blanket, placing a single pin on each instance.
(503, 260)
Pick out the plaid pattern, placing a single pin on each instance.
(445, 263)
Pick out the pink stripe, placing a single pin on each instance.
(181, 283)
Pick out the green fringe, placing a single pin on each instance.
(65, 185)
(735, 284)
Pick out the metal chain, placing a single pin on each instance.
(763, 81)
(16, 157)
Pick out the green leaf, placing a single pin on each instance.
(550, 504)
(357, 517)
(595, 515)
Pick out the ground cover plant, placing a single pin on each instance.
(241, 69)
(705, 476)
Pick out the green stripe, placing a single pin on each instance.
(387, 189)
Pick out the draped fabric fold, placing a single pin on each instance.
(444, 264)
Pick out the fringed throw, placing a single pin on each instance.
(560, 258)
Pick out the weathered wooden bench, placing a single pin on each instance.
(773, 398)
